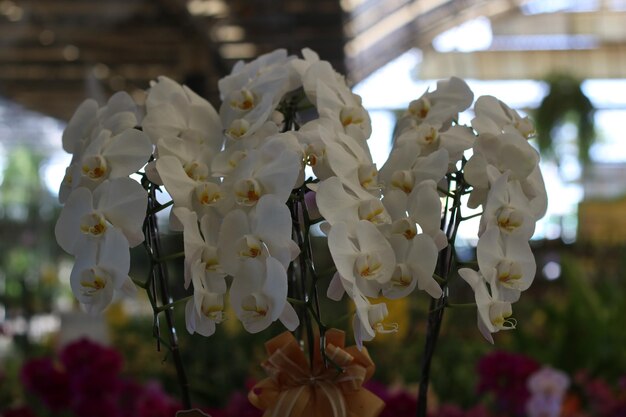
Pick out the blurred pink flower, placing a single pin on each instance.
(548, 382)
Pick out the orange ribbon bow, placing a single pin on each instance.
(295, 389)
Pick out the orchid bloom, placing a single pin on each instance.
(507, 263)
(100, 272)
(108, 156)
(506, 152)
(206, 308)
(262, 173)
(404, 171)
(366, 259)
(261, 233)
(421, 207)
(416, 262)
(115, 205)
(119, 114)
(439, 106)
(493, 315)
(493, 116)
(201, 246)
(203, 312)
(337, 205)
(258, 295)
(508, 209)
(248, 108)
(174, 111)
(103, 143)
(368, 320)
(191, 185)
(275, 64)
(336, 103)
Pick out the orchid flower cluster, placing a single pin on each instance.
(286, 150)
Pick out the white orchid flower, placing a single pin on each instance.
(173, 110)
(206, 308)
(119, 114)
(404, 171)
(108, 156)
(506, 152)
(100, 272)
(507, 262)
(80, 126)
(273, 65)
(187, 178)
(203, 312)
(201, 247)
(245, 110)
(422, 206)
(337, 205)
(507, 208)
(535, 189)
(258, 295)
(118, 204)
(441, 105)
(333, 153)
(261, 233)
(425, 138)
(365, 259)
(344, 109)
(368, 320)
(261, 173)
(493, 315)
(313, 70)
(103, 143)
(495, 117)
(416, 260)
(352, 164)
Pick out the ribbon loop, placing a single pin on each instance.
(295, 388)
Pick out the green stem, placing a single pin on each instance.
(444, 265)
(159, 282)
(461, 305)
(170, 257)
(472, 216)
(172, 304)
(160, 207)
(439, 279)
(141, 284)
(295, 301)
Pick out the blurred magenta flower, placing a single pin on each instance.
(43, 378)
(504, 375)
(19, 412)
(86, 381)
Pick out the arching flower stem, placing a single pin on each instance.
(450, 222)
(160, 207)
(158, 284)
(297, 274)
(173, 303)
(170, 257)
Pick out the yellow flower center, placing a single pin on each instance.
(197, 171)
(247, 191)
(93, 224)
(403, 180)
(368, 266)
(94, 167)
(243, 99)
